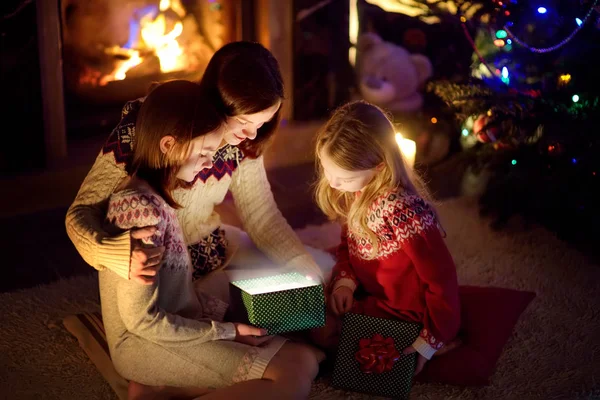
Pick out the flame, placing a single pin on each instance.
(154, 39)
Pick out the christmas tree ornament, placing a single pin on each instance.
(488, 135)
(555, 149)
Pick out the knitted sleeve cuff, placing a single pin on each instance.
(225, 330)
(346, 282)
(114, 253)
(423, 348)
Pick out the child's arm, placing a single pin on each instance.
(139, 310)
(343, 274)
(437, 271)
(423, 243)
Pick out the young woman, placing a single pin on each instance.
(242, 79)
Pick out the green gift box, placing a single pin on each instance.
(283, 303)
(369, 357)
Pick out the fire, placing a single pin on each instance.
(150, 35)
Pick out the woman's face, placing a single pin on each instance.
(202, 150)
(343, 180)
(245, 126)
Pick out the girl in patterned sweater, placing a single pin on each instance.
(168, 334)
(392, 261)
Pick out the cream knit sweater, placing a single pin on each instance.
(245, 177)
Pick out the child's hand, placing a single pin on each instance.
(250, 335)
(420, 359)
(341, 300)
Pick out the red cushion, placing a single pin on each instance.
(488, 316)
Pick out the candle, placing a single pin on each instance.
(408, 148)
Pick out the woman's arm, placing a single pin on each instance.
(263, 221)
(85, 219)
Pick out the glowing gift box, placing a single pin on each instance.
(369, 357)
(283, 303)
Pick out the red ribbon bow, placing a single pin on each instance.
(376, 354)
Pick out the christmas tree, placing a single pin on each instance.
(529, 114)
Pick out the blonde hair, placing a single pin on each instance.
(359, 136)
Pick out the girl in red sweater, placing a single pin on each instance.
(392, 261)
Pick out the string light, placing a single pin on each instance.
(578, 21)
(505, 77)
(565, 78)
(501, 34)
(465, 132)
(499, 42)
(514, 162)
(542, 10)
(575, 98)
(559, 44)
(434, 120)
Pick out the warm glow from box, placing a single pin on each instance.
(275, 283)
(408, 148)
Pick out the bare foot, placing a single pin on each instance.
(138, 391)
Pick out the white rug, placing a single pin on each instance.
(554, 352)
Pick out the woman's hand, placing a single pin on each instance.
(420, 359)
(341, 300)
(144, 261)
(250, 335)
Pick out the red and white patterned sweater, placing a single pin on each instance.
(413, 276)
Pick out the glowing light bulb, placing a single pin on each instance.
(501, 34)
(578, 21)
(408, 148)
(505, 78)
(514, 162)
(542, 10)
(575, 98)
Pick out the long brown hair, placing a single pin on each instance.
(360, 136)
(175, 108)
(244, 78)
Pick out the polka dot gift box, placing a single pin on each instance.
(283, 303)
(369, 357)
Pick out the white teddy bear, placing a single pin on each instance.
(389, 76)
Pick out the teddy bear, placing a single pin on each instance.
(389, 76)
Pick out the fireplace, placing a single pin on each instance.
(113, 49)
(95, 55)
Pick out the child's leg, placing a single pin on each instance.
(138, 391)
(288, 375)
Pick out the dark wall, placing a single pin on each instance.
(22, 146)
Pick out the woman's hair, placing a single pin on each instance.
(360, 136)
(244, 78)
(175, 108)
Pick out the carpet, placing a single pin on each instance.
(554, 352)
